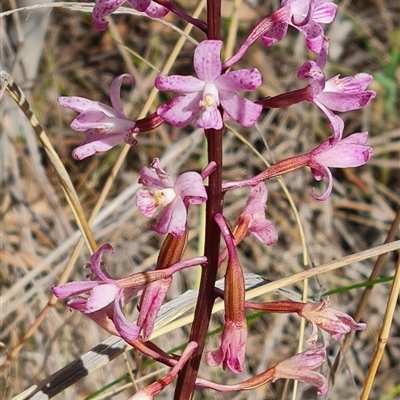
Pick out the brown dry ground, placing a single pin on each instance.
(36, 222)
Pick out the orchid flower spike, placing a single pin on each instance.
(172, 196)
(106, 126)
(103, 8)
(306, 16)
(203, 95)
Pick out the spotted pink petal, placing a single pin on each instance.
(207, 60)
(95, 143)
(80, 104)
(244, 79)
(155, 10)
(73, 289)
(179, 84)
(139, 5)
(102, 9)
(183, 111)
(241, 110)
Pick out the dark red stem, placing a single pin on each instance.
(186, 381)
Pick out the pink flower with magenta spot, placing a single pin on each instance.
(203, 95)
(172, 196)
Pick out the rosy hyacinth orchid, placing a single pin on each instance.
(172, 196)
(102, 297)
(231, 352)
(332, 95)
(299, 367)
(335, 94)
(333, 321)
(306, 16)
(106, 126)
(337, 153)
(203, 95)
(106, 297)
(321, 315)
(252, 219)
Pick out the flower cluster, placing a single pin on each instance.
(209, 100)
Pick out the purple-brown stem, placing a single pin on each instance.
(187, 378)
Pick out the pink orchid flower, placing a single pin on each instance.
(252, 219)
(321, 315)
(203, 95)
(231, 352)
(172, 196)
(334, 94)
(306, 16)
(106, 126)
(333, 321)
(301, 366)
(337, 153)
(106, 298)
(103, 8)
